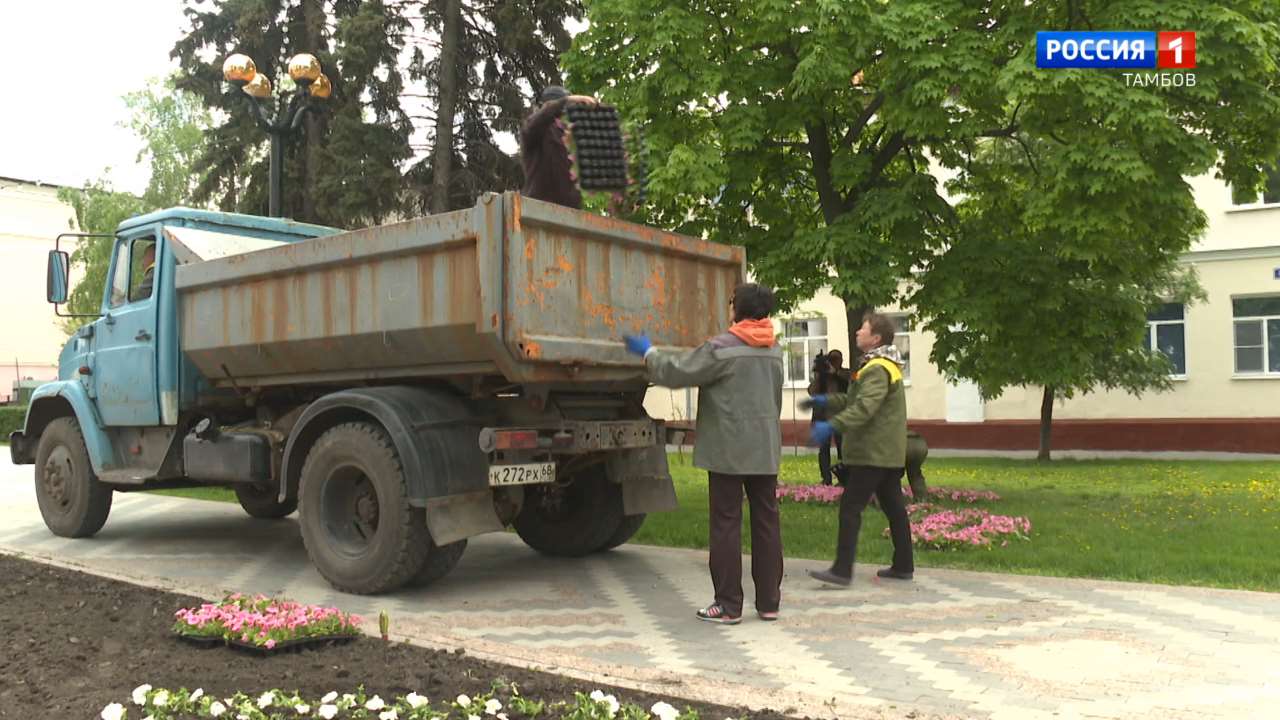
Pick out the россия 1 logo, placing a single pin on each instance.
(1123, 49)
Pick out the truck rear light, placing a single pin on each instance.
(515, 439)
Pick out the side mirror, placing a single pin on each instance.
(56, 279)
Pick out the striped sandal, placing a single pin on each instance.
(768, 616)
(716, 614)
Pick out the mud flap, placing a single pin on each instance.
(451, 518)
(645, 479)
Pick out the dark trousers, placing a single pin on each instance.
(824, 457)
(860, 484)
(725, 499)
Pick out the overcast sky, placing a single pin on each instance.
(67, 64)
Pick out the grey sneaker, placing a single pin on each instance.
(715, 613)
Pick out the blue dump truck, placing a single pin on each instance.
(402, 387)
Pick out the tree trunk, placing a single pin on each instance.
(854, 310)
(313, 18)
(1046, 423)
(447, 81)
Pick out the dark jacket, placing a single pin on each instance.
(739, 402)
(546, 158)
(834, 382)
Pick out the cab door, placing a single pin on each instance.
(124, 372)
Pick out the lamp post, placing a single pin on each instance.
(304, 68)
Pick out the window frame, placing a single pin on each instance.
(1259, 202)
(787, 339)
(1263, 320)
(1153, 346)
(904, 329)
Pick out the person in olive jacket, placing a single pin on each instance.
(872, 417)
(738, 442)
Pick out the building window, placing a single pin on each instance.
(1167, 334)
(1257, 335)
(902, 340)
(804, 340)
(1270, 194)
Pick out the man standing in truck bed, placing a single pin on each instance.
(739, 444)
(547, 168)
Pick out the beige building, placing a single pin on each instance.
(30, 217)
(1226, 394)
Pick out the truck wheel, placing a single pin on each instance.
(357, 524)
(263, 502)
(572, 520)
(440, 562)
(72, 501)
(630, 526)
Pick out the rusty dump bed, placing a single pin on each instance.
(532, 291)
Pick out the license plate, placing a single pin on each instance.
(529, 474)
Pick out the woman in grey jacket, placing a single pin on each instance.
(738, 442)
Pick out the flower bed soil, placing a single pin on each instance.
(70, 643)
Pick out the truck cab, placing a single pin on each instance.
(124, 371)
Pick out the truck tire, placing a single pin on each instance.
(262, 502)
(572, 520)
(441, 560)
(629, 526)
(357, 524)
(72, 501)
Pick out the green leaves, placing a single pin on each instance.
(818, 134)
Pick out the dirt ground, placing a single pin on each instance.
(70, 643)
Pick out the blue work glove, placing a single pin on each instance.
(820, 433)
(637, 344)
(816, 401)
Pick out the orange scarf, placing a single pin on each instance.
(756, 333)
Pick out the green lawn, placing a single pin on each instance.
(1194, 523)
(1182, 522)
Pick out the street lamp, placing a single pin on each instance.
(304, 68)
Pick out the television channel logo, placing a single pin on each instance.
(1123, 49)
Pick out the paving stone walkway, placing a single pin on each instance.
(949, 644)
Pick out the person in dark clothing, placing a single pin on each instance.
(829, 378)
(148, 263)
(545, 155)
(739, 379)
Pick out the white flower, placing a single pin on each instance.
(415, 700)
(333, 695)
(492, 706)
(327, 711)
(663, 711)
(389, 715)
(196, 695)
(140, 694)
(161, 698)
(502, 716)
(114, 711)
(302, 708)
(217, 708)
(464, 701)
(375, 703)
(473, 717)
(266, 699)
(608, 700)
(348, 699)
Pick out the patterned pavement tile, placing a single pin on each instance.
(948, 645)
